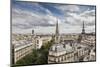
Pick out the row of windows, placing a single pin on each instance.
(63, 58)
(70, 57)
(25, 48)
(23, 52)
(83, 52)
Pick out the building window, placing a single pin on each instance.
(55, 59)
(65, 57)
(62, 59)
(58, 59)
(37, 46)
(37, 41)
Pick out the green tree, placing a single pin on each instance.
(39, 56)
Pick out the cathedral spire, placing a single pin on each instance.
(83, 29)
(57, 33)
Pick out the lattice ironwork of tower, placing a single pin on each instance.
(83, 29)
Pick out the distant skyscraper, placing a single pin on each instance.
(83, 29)
(32, 31)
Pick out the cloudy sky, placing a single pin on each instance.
(42, 17)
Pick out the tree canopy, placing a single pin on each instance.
(39, 56)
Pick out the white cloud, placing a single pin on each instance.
(70, 8)
(23, 21)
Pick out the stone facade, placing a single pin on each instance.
(21, 49)
(69, 49)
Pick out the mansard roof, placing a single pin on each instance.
(60, 48)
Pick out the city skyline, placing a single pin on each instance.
(42, 17)
(51, 33)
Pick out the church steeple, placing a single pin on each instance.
(83, 29)
(57, 33)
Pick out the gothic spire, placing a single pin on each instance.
(57, 33)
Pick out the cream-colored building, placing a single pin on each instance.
(41, 40)
(59, 53)
(67, 50)
(89, 39)
(21, 49)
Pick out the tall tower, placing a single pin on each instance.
(57, 33)
(33, 38)
(83, 29)
(32, 31)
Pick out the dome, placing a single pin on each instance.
(57, 47)
(60, 47)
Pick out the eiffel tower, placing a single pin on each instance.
(83, 29)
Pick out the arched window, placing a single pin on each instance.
(58, 59)
(61, 58)
(55, 59)
(65, 57)
(56, 49)
(37, 41)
